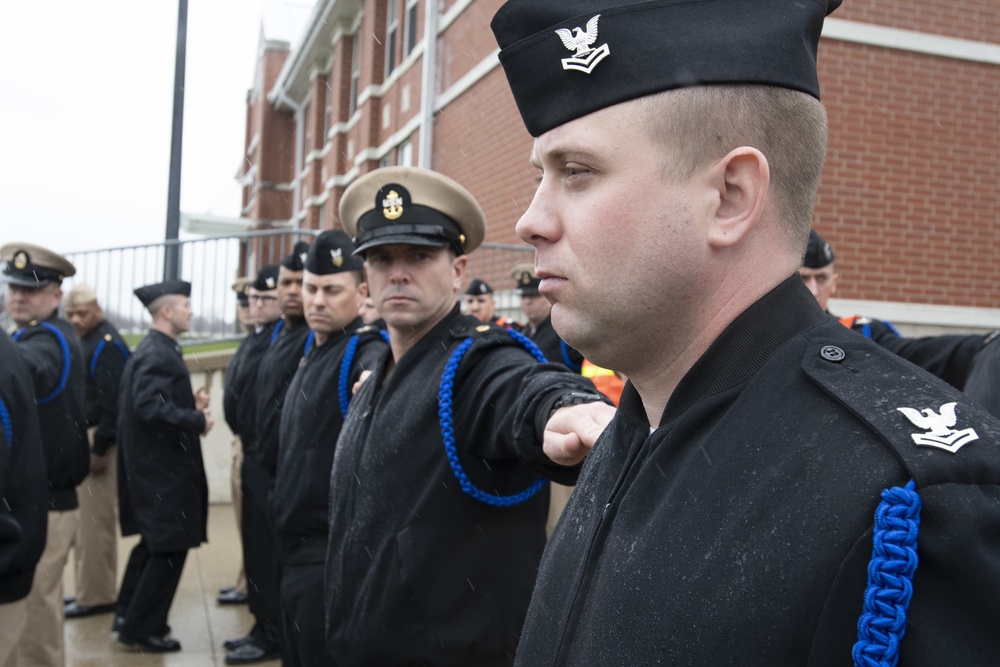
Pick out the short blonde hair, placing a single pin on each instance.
(696, 126)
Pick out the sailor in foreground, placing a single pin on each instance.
(774, 489)
(162, 488)
(438, 493)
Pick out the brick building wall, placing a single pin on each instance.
(909, 196)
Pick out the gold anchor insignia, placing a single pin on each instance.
(337, 256)
(20, 260)
(392, 205)
(269, 282)
(525, 278)
(246, 289)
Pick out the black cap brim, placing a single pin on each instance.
(400, 239)
(26, 282)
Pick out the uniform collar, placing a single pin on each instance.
(747, 343)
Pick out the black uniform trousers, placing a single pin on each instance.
(148, 589)
(303, 616)
(260, 558)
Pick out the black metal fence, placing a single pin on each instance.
(212, 264)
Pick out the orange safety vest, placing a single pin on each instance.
(606, 381)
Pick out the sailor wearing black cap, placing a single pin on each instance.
(479, 303)
(239, 399)
(950, 357)
(274, 372)
(163, 492)
(241, 286)
(51, 350)
(340, 348)
(437, 495)
(727, 515)
(539, 313)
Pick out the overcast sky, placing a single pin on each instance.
(85, 118)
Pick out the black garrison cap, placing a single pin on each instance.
(242, 288)
(34, 266)
(150, 293)
(564, 60)
(332, 252)
(526, 280)
(296, 260)
(411, 206)
(267, 279)
(818, 252)
(478, 287)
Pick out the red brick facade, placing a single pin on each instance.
(909, 197)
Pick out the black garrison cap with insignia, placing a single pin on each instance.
(332, 252)
(30, 265)
(296, 260)
(242, 288)
(525, 279)
(479, 287)
(411, 206)
(564, 60)
(150, 293)
(818, 252)
(267, 279)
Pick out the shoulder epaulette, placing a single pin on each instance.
(108, 340)
(63, 346)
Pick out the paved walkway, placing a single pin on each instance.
(197, 621)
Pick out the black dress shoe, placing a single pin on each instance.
(252, 652)
(152, 644)
(230, 644)
(74, 610)
(231, 596)
(68, 599)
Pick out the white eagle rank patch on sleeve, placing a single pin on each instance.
(585, 59)
(940, 424)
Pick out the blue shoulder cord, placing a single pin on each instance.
(8, 427)
(564, 348)
(64, 376)
(97, 355)
(890, 578)
(445, 394)
(310, 341)
(274, 332)
(345, 371)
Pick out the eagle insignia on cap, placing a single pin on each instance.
(585, 59)
(941, 435)
(20, 260)
(246, 290)
(392, 205)
(525, 278)
(337, 257)
(269, 281)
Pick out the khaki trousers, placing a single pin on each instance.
(12, 622)
(236, 488)
(42, 640)
(96, 545)
(558, 497)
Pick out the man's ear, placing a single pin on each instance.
(459, 265)
(740, 182)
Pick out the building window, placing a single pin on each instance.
(322, 216)
(406, 153)
(355, 73)
(410, 39)
(386, 160)
(391, 29)
(307, 139)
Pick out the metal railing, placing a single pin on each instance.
(212, 264)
